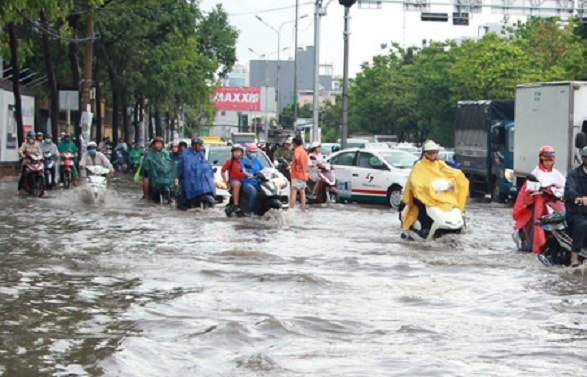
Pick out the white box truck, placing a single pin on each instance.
(549, 113)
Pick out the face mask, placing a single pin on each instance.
(30, 141)
(92, 152)
(251, 156)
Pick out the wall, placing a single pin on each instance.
(8, 137)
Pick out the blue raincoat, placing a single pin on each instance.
(196, 174)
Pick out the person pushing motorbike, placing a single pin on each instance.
(195, 175)
(529, 206)
(576, 208)
(157, 170)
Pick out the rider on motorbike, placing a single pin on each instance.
(29, 146)
(250, 166)
(195, 174)
(232, 175)
(48, 146)
(523, 213)
(418, 193)
(92, 157)
(315, 160)
(66, 145)
(157, 170)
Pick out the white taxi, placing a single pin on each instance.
(372, 176)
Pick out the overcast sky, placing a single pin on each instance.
(369, 29)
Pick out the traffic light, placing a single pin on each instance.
(437, 17)
(347, 3)
(460, 19)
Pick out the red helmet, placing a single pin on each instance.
(546, 151)
(252, 148)
(156, 139)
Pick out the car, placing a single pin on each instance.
(446, 155)
(372, 176)
(218, 154)
(327, 148)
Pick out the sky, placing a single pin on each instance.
(369, 29)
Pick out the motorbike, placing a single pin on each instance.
(49, 172)
(440, 222)
(33, 179)
(66, 168)
(557, 248)
(120, 162)
(283, 166)
(97, 181)
(326, 190)
(267, 198)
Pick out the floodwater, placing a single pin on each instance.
(129, 289)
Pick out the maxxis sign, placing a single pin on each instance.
(239, 98)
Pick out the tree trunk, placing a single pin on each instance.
(15, 82)
(158, 129)
(115, 112)
(136, 121)
(125, 128)
(51, 80)
(98, 102)
(150, 122)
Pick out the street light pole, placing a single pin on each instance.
(345, 80)
(315, 102)
(295, 72)
(278, 32)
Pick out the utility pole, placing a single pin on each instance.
(295, 73)
(316, 96)
(345, 81)
(85, 123)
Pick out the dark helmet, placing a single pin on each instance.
(30, 134)
(335, 148)
(197, 140)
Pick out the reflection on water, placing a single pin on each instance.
(130, 289)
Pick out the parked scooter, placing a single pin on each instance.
(33, 179)
(326, 191)
(50, 169)
(283, 166)
(267, 197)
(66, 168)
(434, 222)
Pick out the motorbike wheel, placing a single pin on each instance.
(394, 196)
(66, 180)
(37, 185)
(274, 204)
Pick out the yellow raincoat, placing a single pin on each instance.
(419, 185)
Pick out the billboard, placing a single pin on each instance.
(237, 98)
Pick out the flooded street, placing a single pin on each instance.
(129, 289)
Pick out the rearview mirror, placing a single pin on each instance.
(313, 158)
(531, 178)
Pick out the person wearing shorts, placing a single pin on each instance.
(232, 175)
(299, 173)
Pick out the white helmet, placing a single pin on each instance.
(314, 145)
(92, 144)
(430, 146)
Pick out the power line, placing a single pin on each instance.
(268, 10)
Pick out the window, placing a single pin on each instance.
(364, 160)
(346, 159)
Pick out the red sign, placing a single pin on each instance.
(240, 98)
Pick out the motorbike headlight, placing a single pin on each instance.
(508, 174)
(280, 182)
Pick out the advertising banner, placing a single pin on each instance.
(237, 98)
